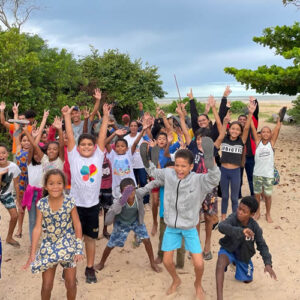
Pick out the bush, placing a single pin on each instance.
(238, 107)
(295, 111)
(171, 108)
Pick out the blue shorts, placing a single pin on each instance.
(121, 231)
(244, 271)
(173, 238)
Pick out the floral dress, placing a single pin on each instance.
(21, 159)
(59, 244)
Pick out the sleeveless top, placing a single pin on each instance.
(232, 151)
(264, 160)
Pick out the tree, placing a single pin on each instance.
(17, 10)
(122, 80)
(274, 79)
(295, 2)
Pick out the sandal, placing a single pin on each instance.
(14, 244)
(207, 256)
(19, 236)
(106, 235)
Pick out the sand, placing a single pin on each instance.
(127, 274)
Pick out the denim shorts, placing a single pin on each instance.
(173, 238)
(120, 232)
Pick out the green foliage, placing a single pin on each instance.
(171, 108)
(294, 2)
(238, 107)
(286, 42)
(122, 81)
(295, 111)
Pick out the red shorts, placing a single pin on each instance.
(155, 190)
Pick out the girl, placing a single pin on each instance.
(263, 173)
(231, 159)
(56, 216)
(54, 157)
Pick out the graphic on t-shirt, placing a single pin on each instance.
(88, 172)
(6, 181)
(121, 167)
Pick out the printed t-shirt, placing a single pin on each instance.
(7, 179)
(137, 162)
(86, 175)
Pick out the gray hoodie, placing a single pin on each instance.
(116, 207)
(183, 198)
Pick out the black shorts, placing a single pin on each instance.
(105, 198)
(89, 219)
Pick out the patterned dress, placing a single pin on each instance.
(21, 159)
(59, 244)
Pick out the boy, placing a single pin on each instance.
(127, 213)
(184, 194)
(9, 177)
(241, 231)
(86, 161)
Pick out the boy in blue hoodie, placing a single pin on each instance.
(183, 197)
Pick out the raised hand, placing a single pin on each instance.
(228, 104)
(15, 108)
(57, 123)
(97, 94)
(46, 114)
(227, 117)
(251, 98)
(35, 132)
(227, 91)
(190, 94)
(140, 106)
(207, 108)
(106, 109)
(2, 105)
(211, 101)
(170, 137)
(66, 110)
(86, 113)
(252, 107)
(179, 110)
(121, 132)
(183, 105)
(34, 124)
(151, 143)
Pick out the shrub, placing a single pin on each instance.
(238, 107)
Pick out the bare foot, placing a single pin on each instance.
(269, 219)
(154, 229)
(156, 268)
(99, 266)
(175, 284)
(199, 292)
(13, 242)
(158, 260)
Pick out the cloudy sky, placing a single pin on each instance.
(194, 39)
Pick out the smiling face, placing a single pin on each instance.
(133, 128)
(52, 151)
(55, 185)
(121, 147)
(203, 121)
(266, 133)
(235, 131)
(25, 144)
(182, 167)
(242, 120)
(86, 147)
(75, 116)
(3, 156)
(161, 141)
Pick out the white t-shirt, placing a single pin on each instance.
(86, 175)
(121, 166)
(35, 175)
(7, 179)
(137, 162)
(49, 165)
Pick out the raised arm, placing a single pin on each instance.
(2, 116)
(103, 128)
(184, 128)
(275, 132)
(254, 133)
(34, 144)
(251, 108)
(58, 125)
(225, 104)
(137, 140)
(212, 104)
(222, 133)
(42, 126)
(66, 111)
(86, 116)
(97, 96)
(165, 120)
(193, 111)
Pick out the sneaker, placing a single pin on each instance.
(90, 276)
(208, 151)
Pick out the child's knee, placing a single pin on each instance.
(13, 214)
(47, 286)
(222, 263)
(70, 284)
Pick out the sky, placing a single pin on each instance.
(193, 39)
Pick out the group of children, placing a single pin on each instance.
(64, 182)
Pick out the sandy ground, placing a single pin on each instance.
(127, 274)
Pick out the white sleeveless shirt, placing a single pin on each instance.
(264, 160)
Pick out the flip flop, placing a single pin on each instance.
(144, 154)
(282, 113)
(208, 151)
(155, 155)
(14, 244)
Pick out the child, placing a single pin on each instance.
(86, 162)
(162, 227)
(231, 160)
(10, 179)
(121, 159)
(184, 194)
(127, 213)
(241, 231)
(263, 173)
(61, 244)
